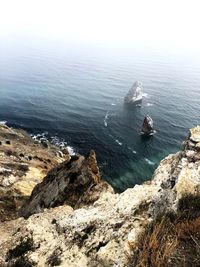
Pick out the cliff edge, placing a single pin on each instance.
(73, 218)
(23, 164)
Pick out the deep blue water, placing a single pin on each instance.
(74, 92)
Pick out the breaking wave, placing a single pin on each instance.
(117, 141)
(105, 120)
(149, 161)
(149, 104)
(145, 95)
(132, 150)
(3, 122)
(71, 150)
(54, 140)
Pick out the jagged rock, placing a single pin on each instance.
(100, 233)
(71, 183)
(195, 134)
(147, 127)
(65, 151)
(45, 143)
(60, 154)
(22, 165)
(134, 95)
(96, 234)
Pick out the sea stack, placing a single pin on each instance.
(147, 127)
(134, 95)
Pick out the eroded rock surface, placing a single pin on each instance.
(103, 233)
(23, 164)
(76, 182)
(134, 95)
(147, 127)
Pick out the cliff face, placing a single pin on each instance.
(76, 182)
(23, 164)
(75, 219)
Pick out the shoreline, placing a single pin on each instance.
(48, 200)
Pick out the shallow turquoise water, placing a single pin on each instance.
(76, 93)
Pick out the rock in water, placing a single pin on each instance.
(134, 95)
(147, 127)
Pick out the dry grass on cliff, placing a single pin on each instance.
(172, 241)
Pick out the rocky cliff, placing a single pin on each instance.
(23, 164)
(73, 218)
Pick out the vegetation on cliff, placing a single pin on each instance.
(73, 218)
(172, 239)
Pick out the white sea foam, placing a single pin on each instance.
(149, 104)
(119, 143)
(40, 137)
(3, 122)
(71, 150)
(138, 105)
(105, 120)
(133, 151)
(54, 140)
(113, 104)
(154, 132)
(149, 161)
(145, 95)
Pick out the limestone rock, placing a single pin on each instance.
(96, 235)
(99, 230)
(23, 164)
(195, 134)
(73, 182)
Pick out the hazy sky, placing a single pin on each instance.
(161, 22)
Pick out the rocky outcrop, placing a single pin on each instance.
(76, 183)
(134, 95)
(101, 232)
(91, 236)
(147, 127)
(23, 164)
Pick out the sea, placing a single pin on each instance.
(73, 94)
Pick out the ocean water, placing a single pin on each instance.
(75, 93)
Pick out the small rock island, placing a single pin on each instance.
(134, 95)
(147, 127)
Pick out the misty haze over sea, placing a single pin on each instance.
(75, 92)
